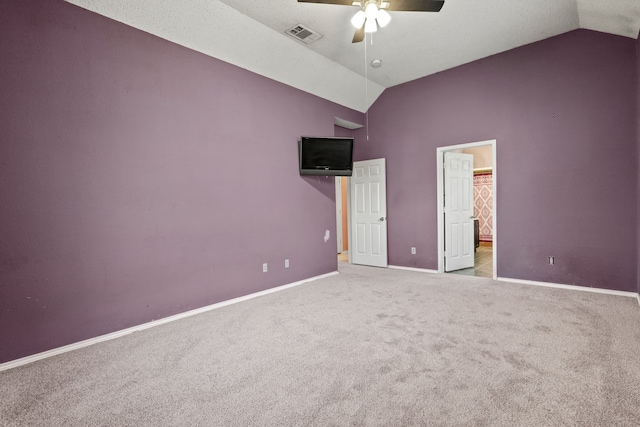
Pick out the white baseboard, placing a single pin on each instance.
(117, 334)
(421, 270)
(571, 287)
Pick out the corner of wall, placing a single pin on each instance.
(638, 163)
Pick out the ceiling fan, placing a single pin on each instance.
(373, 13)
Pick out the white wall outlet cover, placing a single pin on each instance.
(327, 234)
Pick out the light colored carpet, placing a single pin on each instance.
(369, 347)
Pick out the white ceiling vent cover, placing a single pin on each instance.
(302, 33)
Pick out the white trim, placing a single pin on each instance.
(117, 334)
(638, 298)
(349, 231)
(571, 287)
(338, 185)
(421, 270)
(440, 197)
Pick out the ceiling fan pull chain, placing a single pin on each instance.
(366, 83)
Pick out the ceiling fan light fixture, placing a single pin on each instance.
(358, 19)
(373, 13)
(371, 10)
(370, 26)
(383, 18)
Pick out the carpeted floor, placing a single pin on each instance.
(368, 347)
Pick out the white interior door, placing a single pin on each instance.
(369, 213)
(458, 210)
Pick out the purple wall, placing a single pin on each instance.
(140, 179)
(565, 124)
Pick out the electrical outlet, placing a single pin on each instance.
(552, 260)
(286, 263)
(264, 267)
(413, 251)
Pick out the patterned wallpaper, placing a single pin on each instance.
(483, 202)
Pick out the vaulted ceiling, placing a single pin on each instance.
(251, 35)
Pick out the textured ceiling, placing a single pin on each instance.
(250, 34)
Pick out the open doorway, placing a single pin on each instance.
(343, 128)
(483, 259)
(342, 218)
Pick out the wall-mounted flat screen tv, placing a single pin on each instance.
(325, 156)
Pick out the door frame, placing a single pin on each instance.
(349, 252)
(440, 198)
(339, 242)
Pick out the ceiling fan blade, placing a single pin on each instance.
(415, 5)
(359, 35)
(341, 2)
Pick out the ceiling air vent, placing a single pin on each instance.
(305, 35)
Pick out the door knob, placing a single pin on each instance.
(382, 218)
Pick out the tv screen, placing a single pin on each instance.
(325, 156)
